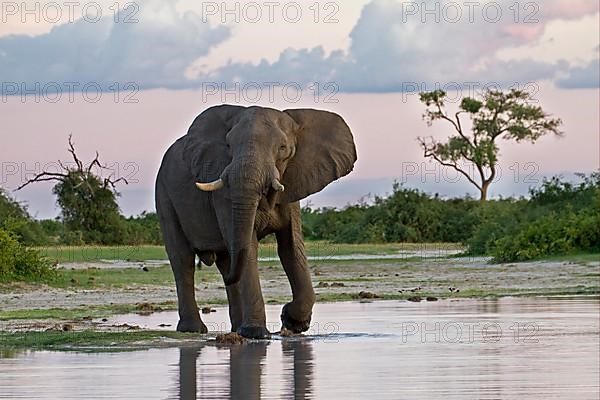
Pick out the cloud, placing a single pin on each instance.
(582, 77)
(154, 52)
(392, 49)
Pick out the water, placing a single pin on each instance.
(525, 348)
(399, 255)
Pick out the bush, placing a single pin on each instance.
(143, 229)
(407, 215)
(14, 218)
(553, 234)
(560, 218)
(20, 263)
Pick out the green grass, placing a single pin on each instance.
(66, 254)
(90, 278)
(80, 340)
(77, 313)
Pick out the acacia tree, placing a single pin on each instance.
(87, 201)
(506, 115)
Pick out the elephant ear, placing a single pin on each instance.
(325, 152)
(205, 149)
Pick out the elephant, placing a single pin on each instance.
(235, 177)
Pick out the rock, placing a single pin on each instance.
(367, 295)
(230, 338)
(431, 298)
(323, 284)
(414, 299)
(338, 284)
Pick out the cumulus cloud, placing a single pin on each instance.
(394, 47)
(154, 52)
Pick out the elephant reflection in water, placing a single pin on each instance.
(245, 370)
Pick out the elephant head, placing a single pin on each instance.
(253, 154)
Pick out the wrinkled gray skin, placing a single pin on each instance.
(253, 151)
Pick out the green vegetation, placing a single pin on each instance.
(89, 339)
(98, 311)
(20, 263)
(15, 218)
(78, 254)
(314, 248)
(508, 115)
(560, 218)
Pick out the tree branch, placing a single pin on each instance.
(44, 177)
(428, 153)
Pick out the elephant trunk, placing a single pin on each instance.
(243, 215)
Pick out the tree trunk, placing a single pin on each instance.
(484, 191)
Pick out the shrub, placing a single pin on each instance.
(20, 263)
(14, 218)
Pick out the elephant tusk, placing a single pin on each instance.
(210, 187)
(277, 186)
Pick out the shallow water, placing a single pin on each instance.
(399, 255)
(525, 348)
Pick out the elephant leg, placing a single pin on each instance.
(295, 315)
(182, 258)
(254, 322)
(233, 292)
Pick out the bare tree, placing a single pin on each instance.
(87, 201)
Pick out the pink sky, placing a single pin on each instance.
(134, 137)
(375, 47)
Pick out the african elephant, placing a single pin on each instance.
(258, 162)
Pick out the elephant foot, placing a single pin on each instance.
(254, 332)
(292, 324)
(191, 325)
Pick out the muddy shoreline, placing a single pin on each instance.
(39, 307)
